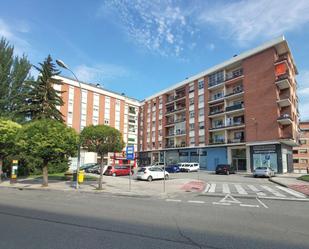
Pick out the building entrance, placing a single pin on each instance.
(239, 161)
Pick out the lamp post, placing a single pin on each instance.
(63, 65)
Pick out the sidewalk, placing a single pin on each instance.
(112, 185)
(290, 181)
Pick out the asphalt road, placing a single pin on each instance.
(54, 219)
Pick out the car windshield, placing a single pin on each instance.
(261, 168)
(141, 170)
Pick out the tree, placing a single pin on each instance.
(101, 139)
(14, 71)
(8, 131)
(42, 97)
(48, 141)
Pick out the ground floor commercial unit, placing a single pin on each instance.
(244, 158)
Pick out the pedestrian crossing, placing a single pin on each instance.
(249, 189)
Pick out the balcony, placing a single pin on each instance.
(236, 92)
(181, 145)
(179, 120)
(285, 101)
(234, 107)
(235, 140)
(169, 145)
(234, 74)
(180, 132)
(213, 141)
(216, 98)
(283, 81)
(285, 119)
(179, 96)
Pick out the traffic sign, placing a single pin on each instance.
(130, 152)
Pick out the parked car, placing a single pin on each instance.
(118, 170)
(151, 173)
(87, 166)
(94, 169)
(189, 167)
(172, 168)
(225, 169)
(263, 171)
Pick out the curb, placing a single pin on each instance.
(277, 182)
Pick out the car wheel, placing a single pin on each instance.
(254, 176)
(114, 174)
(149, 179)
(227, 172)
(167, 177)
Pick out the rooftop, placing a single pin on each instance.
(279, 43)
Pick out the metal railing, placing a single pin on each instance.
(234, 74)
(234, 107)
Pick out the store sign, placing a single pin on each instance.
(130, 152)
(264, 149)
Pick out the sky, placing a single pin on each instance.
(141, 47)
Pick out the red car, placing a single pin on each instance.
(118, 170)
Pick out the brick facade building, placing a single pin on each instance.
(243, 111)
(301, 153)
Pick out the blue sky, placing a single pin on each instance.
(141, 47)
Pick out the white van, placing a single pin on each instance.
(189, 167)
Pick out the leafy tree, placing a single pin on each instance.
(101, 139)
(42, 97)
(14, 71)
(8, 131)
(48, 141)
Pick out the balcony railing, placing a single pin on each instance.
(215, 112)
(231, 124)
(235, 140)
(169, 145)
(179, 120)
(214, 83)
(181, 145)
(180, 132)
(234, 107)
(234, 74)
(179, 96)
(240, 90)
(217, 98)
(216, 141)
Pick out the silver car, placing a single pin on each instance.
(263, 171)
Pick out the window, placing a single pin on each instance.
(215, 78)
(106, 121)
(201, 125)
(302, 141)
(201, 84)
(303, 151)
(303, 161)
(191, 100)
(201, 98)
(201, 139)
(191, 114)
(295, 151)
(192, 127)
(192, 140)
(201, 112)
(191, 88)
(296, 160)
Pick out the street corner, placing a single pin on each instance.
(194, 186)
(300, 188)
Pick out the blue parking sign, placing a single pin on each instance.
(130, 152)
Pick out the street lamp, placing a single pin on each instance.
(63, 65)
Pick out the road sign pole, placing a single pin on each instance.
(130, 156)
(164, 173)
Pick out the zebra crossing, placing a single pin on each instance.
(262, 191)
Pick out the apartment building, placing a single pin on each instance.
(243, 111)
(301, 153)
(99, 106)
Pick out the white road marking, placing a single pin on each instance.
(254, 189)
(198, 202)
(274, 192)
(291, 192)
(221, 203)
(212, 188)
(173, 200)
(240, 189)
(225, 188)
(207, 188)
(262, 203)
(229, 199)
(248, 205)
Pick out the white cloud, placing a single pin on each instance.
(21, 45)
(245, 20)
(100, 73)
(303, 82)
(160, 26)
(304, 111)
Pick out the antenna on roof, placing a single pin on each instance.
(235, 55)
(123, 94)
